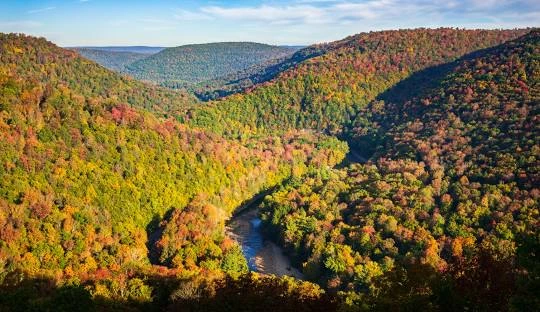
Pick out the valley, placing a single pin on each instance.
(261, 253)
(388, 170)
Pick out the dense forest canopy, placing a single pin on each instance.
(457, 177)
(52, 67)
(114, 193)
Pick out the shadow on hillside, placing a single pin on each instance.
(153, 234)
(247, 293)
(253, 202)
(426, 80)
(417, 85)
(21, 293)
(235, 85)
(483, 282)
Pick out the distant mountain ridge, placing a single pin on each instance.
(226, 67)
(188, 64)
(131, 49)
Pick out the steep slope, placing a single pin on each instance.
(113, 60)
(453, 191)
(184, 65)
(493, 96)
(91, 185)
(326, 91)
(51, 67)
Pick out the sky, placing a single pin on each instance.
(295, 22)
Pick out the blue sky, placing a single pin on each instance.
(177, 22)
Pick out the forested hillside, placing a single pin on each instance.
(185, 65)
(51, 67)
(327, 91)
(92, 185)
(113, 60)
(452, 191)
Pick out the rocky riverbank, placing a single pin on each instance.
(263, 255)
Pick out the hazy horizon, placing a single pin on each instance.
(77, 23)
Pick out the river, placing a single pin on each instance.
(263, 255)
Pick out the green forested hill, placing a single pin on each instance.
(190, 64)
(246, 79)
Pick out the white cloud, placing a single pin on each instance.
(41, 10)
(319, 11)
(338, 11)
(266, 13)
(272, 21)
